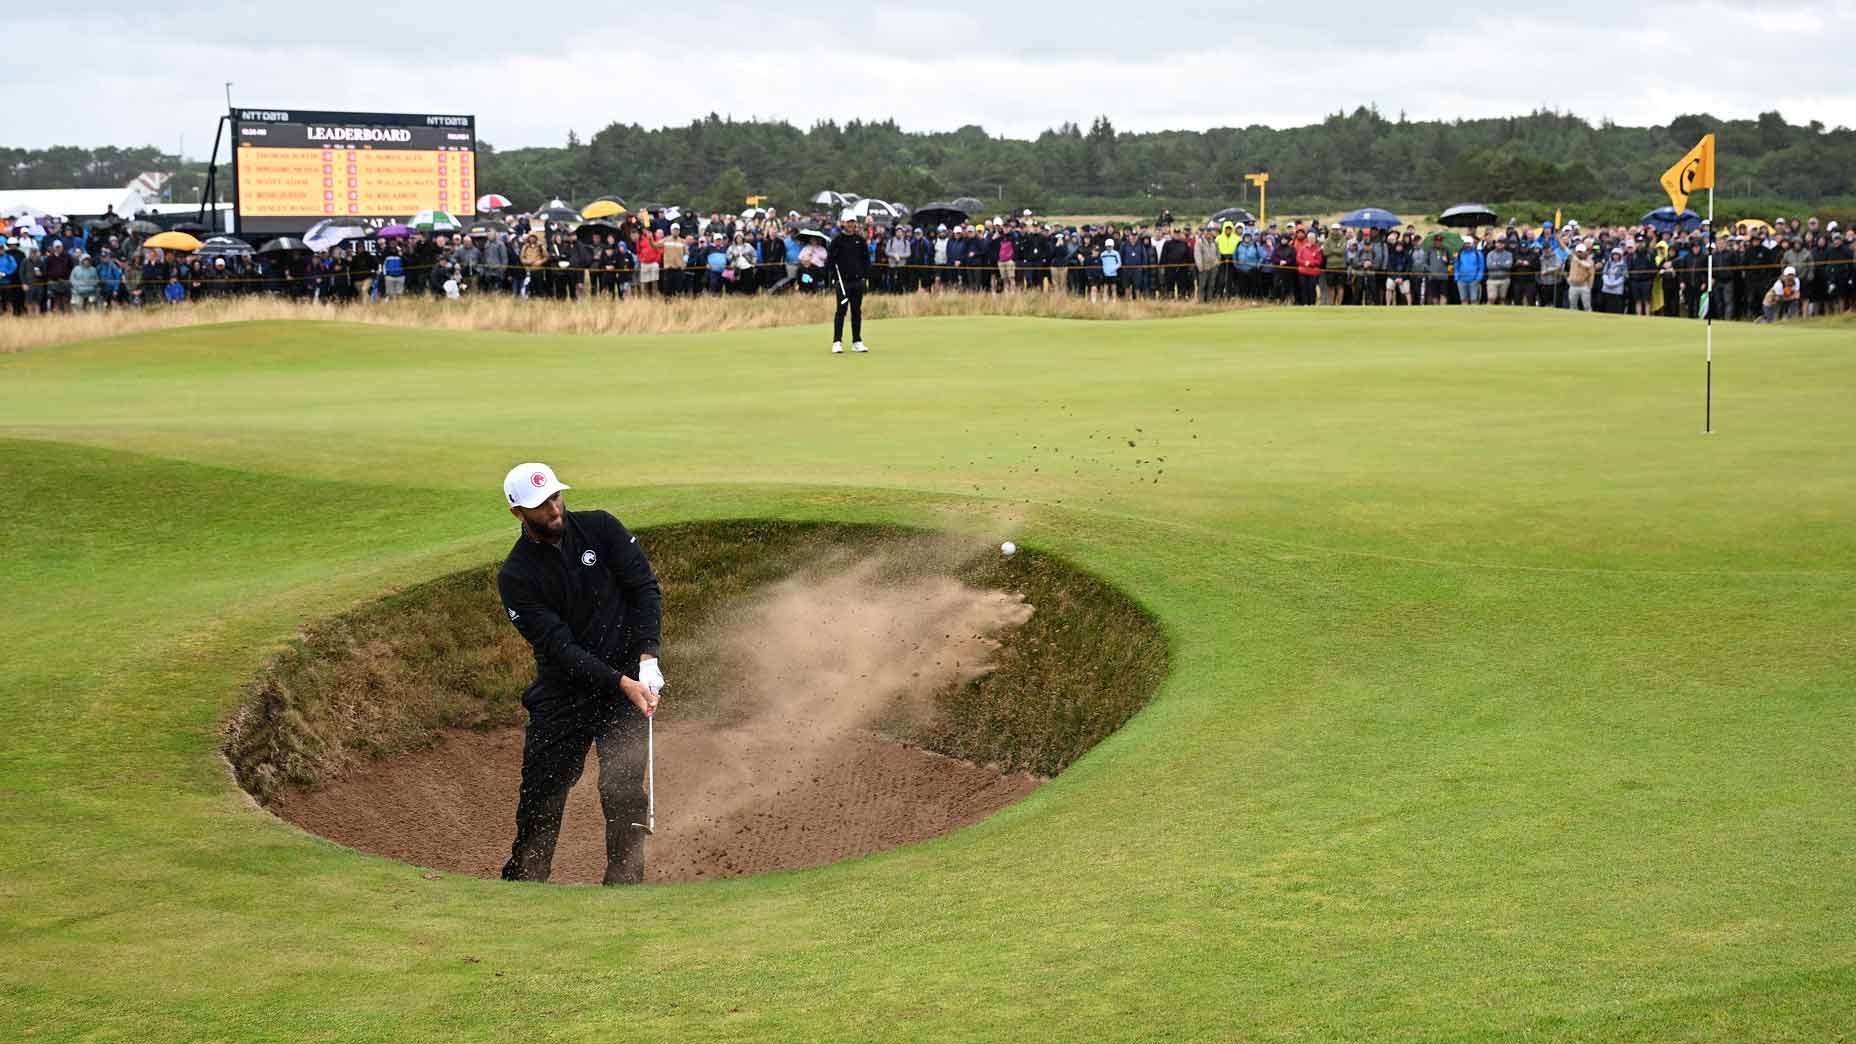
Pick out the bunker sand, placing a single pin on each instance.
(452, 807)
(784, 768)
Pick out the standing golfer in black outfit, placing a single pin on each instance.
(848, 261)
(580, 589)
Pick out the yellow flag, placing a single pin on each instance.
(1691, 172)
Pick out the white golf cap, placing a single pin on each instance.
(1789, 270)
(528, 485)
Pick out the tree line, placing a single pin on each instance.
(1350, 159)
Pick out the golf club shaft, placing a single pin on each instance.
(650, 776)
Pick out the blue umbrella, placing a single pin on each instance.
(1371, 217)
(1665, 219)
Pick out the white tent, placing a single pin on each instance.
(74, 204)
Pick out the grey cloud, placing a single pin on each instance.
(149, 75)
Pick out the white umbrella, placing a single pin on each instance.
(326, 234)
(24, 212)
(224, 246)
(873, 209)
(829, 198)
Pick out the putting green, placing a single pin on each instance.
(1504, 703)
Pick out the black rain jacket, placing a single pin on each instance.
(849, 256)
(589, 607)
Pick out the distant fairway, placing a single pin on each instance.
(1503, 703)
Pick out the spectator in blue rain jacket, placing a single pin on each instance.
(1469, 271)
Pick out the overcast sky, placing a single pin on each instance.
(131, 74)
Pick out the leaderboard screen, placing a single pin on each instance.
(292, 168)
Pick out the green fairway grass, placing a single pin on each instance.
(1503, 703)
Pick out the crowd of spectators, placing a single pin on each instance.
(1788, 269)
(1761, 273)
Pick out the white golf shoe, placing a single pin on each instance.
(859, 346)
(837, 347)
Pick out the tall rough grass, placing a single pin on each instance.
(588, 316)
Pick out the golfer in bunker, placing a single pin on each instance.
(580, 589)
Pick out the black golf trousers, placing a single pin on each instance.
(851, 298)
(553, 754)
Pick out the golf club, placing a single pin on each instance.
(649, 825)
(844, 295)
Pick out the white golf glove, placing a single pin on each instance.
(651, 676)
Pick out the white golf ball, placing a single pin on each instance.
(1008, 548)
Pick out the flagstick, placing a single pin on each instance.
(1707, 307)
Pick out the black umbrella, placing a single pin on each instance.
(968, 204)
(591, 229)
(144, 228)
(285, 245)
(224, 246)
(652, 208)
(192, 228)
(1466, 215)
(112, 221)
(929, 215)
(560, 214)
(1236, 215)
(484, 228)
(620, 200)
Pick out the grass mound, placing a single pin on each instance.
(588, 316)
(391, 676)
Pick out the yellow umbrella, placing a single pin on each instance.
(600, 208)
(171, 241)
(1753, 225)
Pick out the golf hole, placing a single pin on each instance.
(834, 690)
